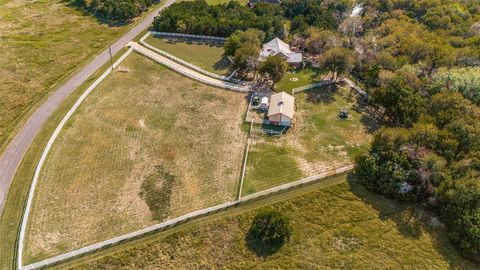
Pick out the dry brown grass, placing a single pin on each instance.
(338, 227)
(41, 42)
(146, 146)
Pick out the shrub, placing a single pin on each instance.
(269, 231)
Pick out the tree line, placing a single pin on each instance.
(115, 10)
(419, 61)
(197, 17)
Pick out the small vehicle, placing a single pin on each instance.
(264, 104)
(343, 114)
(256, 101)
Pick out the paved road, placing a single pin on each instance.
(11, 158)
(187, 71)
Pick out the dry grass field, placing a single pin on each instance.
(41, 43)
(317, 142)
(147, 145)
(337, 227)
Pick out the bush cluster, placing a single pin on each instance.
(197, 17)
(437, 162)
(116, 10)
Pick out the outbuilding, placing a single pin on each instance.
(281, 109)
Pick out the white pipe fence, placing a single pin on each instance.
(312, 86)
(186, 71)
(187, 64)
(26, 212)
(180, 35)
(187, 217)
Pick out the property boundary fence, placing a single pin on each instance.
(185, 218)
(180, 35)
(311, 86)
(185, 63)
(45, 152)
(328, 82)
(180, 61)
(187, 71)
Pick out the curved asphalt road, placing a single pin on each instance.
(11, 158)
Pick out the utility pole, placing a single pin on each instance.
(111, 59)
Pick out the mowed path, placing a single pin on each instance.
(11, 158)
(187, 71)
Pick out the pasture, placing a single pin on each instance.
(335, 227)
(42, 43)
(146, 146)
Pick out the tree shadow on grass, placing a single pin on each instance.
(259, 248)
(222, 64)
(322, 95)
(411, 221)
(88, 13)
(408, 217)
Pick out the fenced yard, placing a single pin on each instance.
(137, 152)
(318, 141)
(205, 54)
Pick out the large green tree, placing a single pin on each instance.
(274, 67)
(401, 104)
(338, 61)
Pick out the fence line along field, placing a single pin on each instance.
(337, 227)
(207, 55)
(147, 145)
(318, 141)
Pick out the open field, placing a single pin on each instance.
(13, 207)
(300, 78)
(139, 150)
(339, 227)
(317, 142)
(206, 56)
(42, 42)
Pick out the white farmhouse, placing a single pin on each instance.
(277, 47)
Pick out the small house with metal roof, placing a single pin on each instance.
(281, 109)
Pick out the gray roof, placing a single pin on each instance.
(282, 103)
(277, 47)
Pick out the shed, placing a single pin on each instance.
(281, 109)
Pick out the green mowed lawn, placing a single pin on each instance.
(337, 227)
(206, 56)
(147, 145)
(318, 141)
(300, 78)
(42, 42)
(269, 165)
(325, 135)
